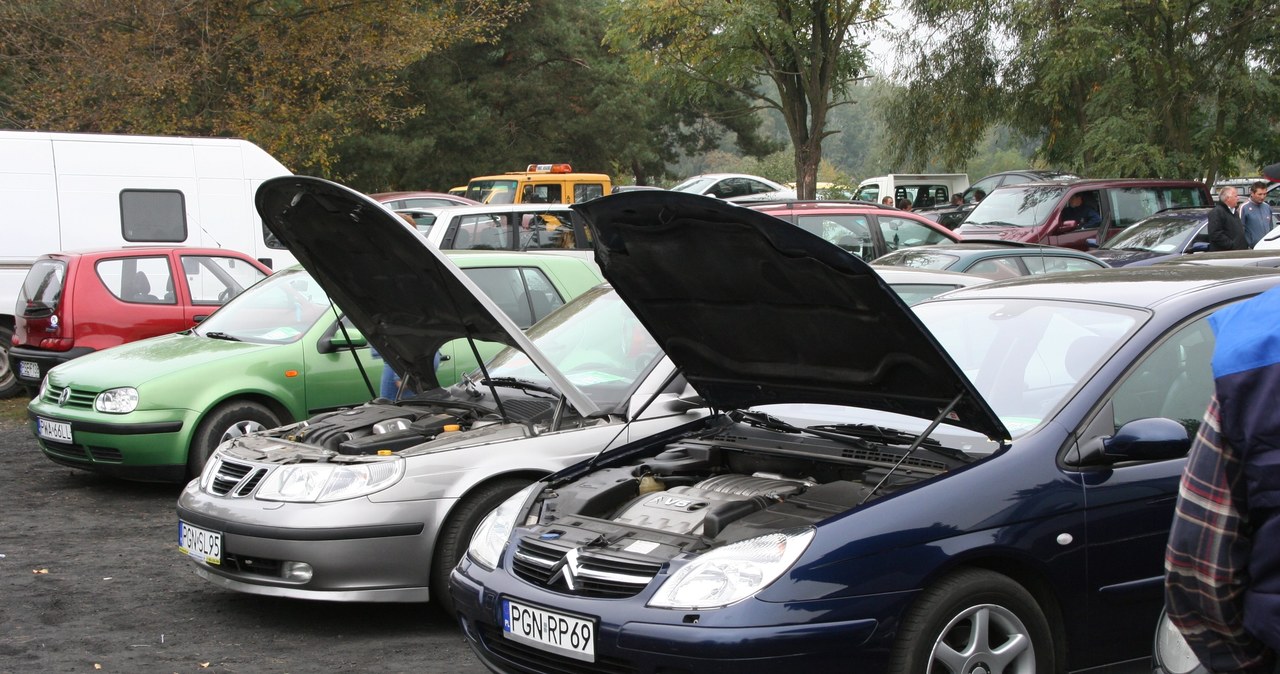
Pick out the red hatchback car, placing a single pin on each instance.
(864, 229)
(73, 303)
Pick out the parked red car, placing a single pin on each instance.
(864, 229)
(73, 303)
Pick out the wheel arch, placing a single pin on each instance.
(271, 403)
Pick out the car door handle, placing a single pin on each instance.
(199, 317)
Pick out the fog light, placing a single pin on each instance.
(299, 571)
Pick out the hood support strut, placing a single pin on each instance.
(924, 435)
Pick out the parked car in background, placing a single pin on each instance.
(735, 187)
(539, 183)
(981, 483)
(992, 259)
(399, 200)
(1163, 236)
(518, 227)
(1229, 258)
(866, 230)
(377, 503)
(1038, 212)
(950, 216)
(75, 303)
(281, 352)
(921, 190)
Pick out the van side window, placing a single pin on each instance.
(587, 191)
(1182, 197)
(153, 215)
(141, 280)
(1131, 204)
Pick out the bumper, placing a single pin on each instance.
(149, 445)
(41, 359)
(632, 638)
(357, 550)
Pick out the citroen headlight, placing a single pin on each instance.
(494, 530)
(117, 400)
(732, 573)
(1172, 654)
(323, 482)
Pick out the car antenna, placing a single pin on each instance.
(919, 439)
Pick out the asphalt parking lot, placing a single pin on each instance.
(91, 581)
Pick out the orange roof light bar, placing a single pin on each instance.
(549, 168)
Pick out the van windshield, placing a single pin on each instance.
(492, 191)
(42, 288)
(1016, 207)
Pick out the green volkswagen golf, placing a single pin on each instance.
(155, 409)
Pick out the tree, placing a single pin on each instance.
(546, 89)
(292, 75)
(1109, 87)
(805, 48)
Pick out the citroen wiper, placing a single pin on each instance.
(222, 335)
(891, 436)
(522, 384)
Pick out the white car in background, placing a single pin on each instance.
(735, 187)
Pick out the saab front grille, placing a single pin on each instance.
(235, 479)
(582, 572)
(524, 658)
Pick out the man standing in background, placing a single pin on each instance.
(1255, 214)
(1225, 230)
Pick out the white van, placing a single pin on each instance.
(72, 191)
(921, 189)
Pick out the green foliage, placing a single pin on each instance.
(1110, 87)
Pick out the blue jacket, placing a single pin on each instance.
(1246, 370)
(1256, 219)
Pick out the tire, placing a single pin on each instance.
(9, 385)
(938, 634)
(228, 420)
(455, 535)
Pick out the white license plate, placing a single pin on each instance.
(550, 631)
(202, 544)
(58, 431)
(28, 369)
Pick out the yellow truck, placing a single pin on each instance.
(539, 183)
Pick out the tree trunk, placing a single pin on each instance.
(807, 159)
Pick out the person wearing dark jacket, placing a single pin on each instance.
(1222, 565)
(1226, 232)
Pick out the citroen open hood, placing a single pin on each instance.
(755, 311)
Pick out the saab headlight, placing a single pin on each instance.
(323, 482)
(117, 400)
(496, 527)
(732, 573)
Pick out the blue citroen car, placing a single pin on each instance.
(982, 485)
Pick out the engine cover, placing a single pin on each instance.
(683, 510)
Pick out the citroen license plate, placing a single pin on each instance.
(550, 631)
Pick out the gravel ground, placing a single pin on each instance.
(91, 581)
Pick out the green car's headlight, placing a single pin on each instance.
(732, 573)
(117, 400)
(494, 530)
(322, 482)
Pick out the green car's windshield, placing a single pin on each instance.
(277, 310)
(595, 341)
(1026, 356)
(1016, 207)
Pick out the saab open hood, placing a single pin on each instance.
(404, 295)
(756, 311)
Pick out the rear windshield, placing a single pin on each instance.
(42, 288)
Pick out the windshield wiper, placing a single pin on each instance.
(222, 335)
(992, 223)
(522, 384)
(891, 436)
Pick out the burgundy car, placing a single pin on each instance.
(864, 229)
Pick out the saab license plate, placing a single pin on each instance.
(58, 431)
(28, 369)
(550, 631)
(201, 544)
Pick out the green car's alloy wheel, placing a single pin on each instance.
(455, 535)
(974, 621)
(229, 420)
